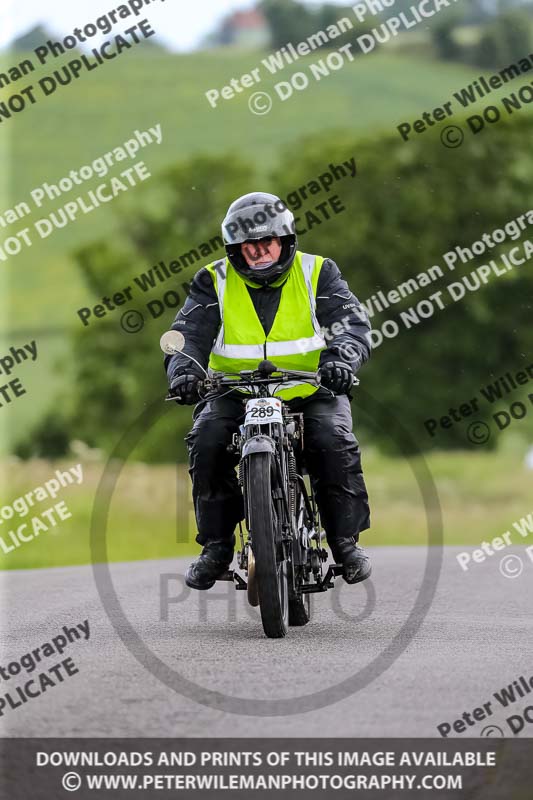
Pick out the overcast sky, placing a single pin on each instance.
(182, 22)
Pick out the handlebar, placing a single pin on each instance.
(257, 377)
(172, 342)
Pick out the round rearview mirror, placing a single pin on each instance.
(172, 342)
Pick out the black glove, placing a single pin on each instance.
(185, 388)
(337, 376)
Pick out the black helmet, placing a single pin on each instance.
(255, 216)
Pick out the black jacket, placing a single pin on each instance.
(343, 320)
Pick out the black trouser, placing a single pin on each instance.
(332, 457)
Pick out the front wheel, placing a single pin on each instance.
(271, 568)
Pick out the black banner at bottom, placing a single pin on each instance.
(473, 769)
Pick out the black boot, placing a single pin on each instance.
(215, 559)
(355, 562)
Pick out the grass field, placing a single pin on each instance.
(80, 122)
(480, 497)
(85, 119)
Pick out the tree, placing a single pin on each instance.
(32, 39)
(119, 374)
(409, 204)
(289, 21)
(442, 34)
(505, 40)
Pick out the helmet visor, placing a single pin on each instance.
(257, 221)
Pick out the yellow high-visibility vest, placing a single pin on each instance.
(295, 340)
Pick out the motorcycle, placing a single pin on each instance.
(282, 555)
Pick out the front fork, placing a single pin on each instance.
(296, 544)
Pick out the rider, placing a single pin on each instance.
(266, 299)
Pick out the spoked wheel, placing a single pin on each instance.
(271, 571)
(299, 603)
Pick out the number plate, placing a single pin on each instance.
(263, 411)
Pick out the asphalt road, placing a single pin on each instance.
(476, 638)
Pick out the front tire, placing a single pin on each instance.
(270, 569)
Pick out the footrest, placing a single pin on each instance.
(326, 583)
(226, 576)
(234, 577)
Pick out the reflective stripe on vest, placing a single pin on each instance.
(295, 340)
